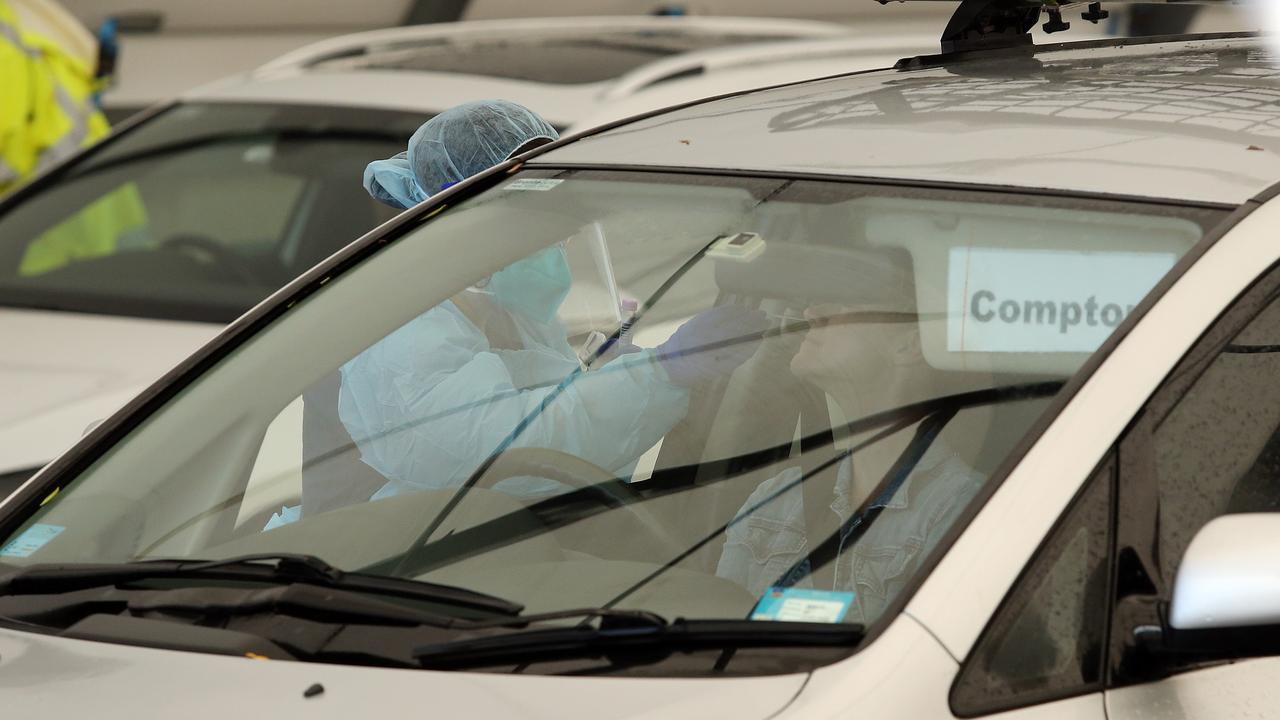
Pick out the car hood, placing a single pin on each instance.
(60, 372)
(46, 676)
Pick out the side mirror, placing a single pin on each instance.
(1226, 597)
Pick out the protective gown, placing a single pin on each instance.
(428, 403)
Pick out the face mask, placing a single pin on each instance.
(534, 287)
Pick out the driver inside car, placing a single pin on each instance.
(492, 368)
(863, 367)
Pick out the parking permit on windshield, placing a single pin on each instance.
(31, 540)
(539, 184)
(799, 605)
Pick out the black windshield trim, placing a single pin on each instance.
(559, 510)
(1063, 195)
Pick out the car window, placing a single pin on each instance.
(1209, 438)
(199, 212)
(1205, 446)
(700, 396)
(1046, 642)
(1217, 451)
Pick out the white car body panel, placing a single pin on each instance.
(967, 586)
(904, 673)
(938, 125)
(428, 93)
(59, 372)
(54, 677)
(534, 28)
(1245, 689)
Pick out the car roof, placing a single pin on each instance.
(1194, 119)
(379, 68)
(718, 71)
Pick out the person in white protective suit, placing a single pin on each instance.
(492, 368)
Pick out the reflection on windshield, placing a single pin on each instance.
(755, 387)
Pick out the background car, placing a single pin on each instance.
(127, 257)
(1092, 330)
(169, 47)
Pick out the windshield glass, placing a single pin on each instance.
(198, 213)
(669, 392)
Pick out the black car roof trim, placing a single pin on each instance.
(893, 182)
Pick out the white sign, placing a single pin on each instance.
(539, 184)
(1043, 301)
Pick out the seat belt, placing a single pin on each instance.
(818, 489)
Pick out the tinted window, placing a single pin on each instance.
(198, 213)
(1046, 641)
(1217, 450)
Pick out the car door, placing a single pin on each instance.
(1206, 444)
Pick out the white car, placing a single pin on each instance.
(129, 256)
(943, 391)
(721, 71)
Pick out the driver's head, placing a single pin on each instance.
(854, 341)
(454, 145)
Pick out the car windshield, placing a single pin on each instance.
(700, 396)
(199, 212)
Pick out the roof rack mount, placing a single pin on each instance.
(995, 24)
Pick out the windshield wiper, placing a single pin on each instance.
(628, 636)
(278, 568)
(578, 505)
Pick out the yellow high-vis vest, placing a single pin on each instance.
(47, 113)
(46, 103)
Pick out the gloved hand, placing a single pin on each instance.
(616, 350)
(712, 343)
(597, 358)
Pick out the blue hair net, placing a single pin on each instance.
(453, 146)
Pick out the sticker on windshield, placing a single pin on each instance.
(1044, 301)
(797, 605)
(541, 184)
(31, 540)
